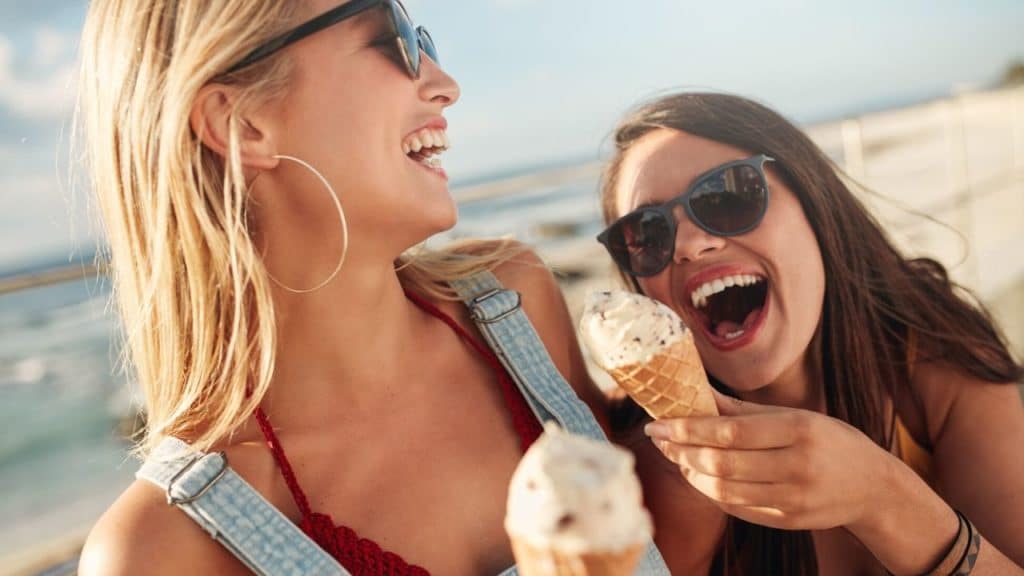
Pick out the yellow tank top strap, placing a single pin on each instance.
(913, 454)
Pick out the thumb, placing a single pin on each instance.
(730, 406)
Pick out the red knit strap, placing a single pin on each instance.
(523, 419)
(360, 556)
(282, 462)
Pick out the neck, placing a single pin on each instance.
(800, 386)
(339, 343)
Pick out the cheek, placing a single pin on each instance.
(802, 274)
(660, 288)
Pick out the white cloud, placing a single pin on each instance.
(50, 47)
(39, 217)
(48, 91)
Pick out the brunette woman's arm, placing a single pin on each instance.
(976, 430)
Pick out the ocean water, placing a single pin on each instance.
(60, 459)
(62, 396)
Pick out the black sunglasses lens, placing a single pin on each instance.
(408, 36)
(642, 243)
(731, 201)
(427, 44)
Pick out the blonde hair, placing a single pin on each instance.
(194, 297)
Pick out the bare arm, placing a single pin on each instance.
(978, 463)
(977, 430)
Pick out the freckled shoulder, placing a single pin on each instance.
(545, 306)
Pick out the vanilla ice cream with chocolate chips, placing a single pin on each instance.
(576, 495)
(622, 328)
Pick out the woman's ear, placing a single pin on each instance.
(210, 118)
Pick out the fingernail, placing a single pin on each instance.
(656, 430)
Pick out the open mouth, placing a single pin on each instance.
(730, 307)
(426, 147)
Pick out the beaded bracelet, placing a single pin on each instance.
(962, 554)
(953, 557)
(970, 555)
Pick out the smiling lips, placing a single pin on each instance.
(426, 145)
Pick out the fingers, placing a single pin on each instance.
(756, 431)
(772, 465)
(737, 493)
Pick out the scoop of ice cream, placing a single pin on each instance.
(622, 328)
(576, 495)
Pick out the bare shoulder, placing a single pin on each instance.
(948, 395)
(141, 534)
(545, 306)
(977, 429)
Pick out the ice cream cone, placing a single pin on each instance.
(649, 352)
(575, 508)
(672, 384)
(532, 561)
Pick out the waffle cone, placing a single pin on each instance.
(531, 561)
(671, 385)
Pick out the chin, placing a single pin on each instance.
(742, 380)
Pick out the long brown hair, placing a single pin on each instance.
(875, 298)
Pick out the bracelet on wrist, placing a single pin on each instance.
(959, 559)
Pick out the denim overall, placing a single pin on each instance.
(233, 513)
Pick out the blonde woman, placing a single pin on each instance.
(261, 168)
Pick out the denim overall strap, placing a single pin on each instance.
(231, 511)
(498, 314)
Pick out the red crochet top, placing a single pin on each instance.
(363, 557)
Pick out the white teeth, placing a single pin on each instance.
(436, 141)
(734, 335)
(699, 296)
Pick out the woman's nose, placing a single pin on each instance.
(435, 84)
(692, 241)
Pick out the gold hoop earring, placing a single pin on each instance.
(344, 229)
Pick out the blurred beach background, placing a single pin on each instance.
(922, 103)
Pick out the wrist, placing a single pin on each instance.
(908, 527)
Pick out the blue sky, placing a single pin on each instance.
(544, 80)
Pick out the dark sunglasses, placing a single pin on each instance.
(725, 201)
(410, 39)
